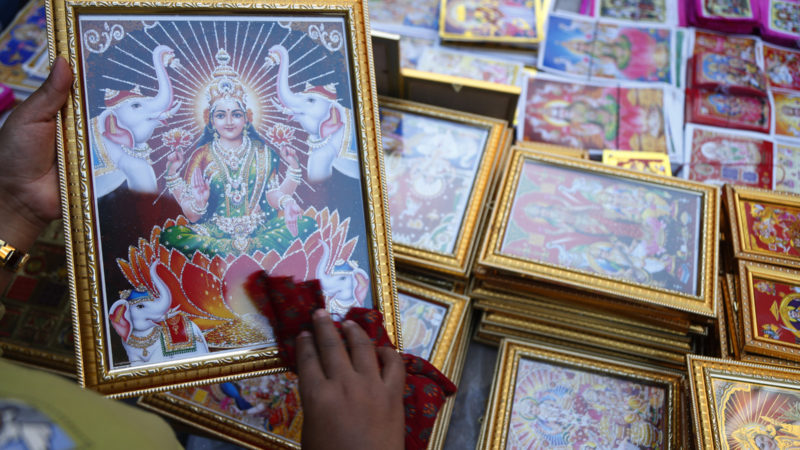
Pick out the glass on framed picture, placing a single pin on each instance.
(470, 65)
(576, 222)
(437, 164)
(509, 21)
(552, 397)
(206, 160)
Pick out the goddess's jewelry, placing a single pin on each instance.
(283, 200)
(141, 151)
(235, 164)
(294, 174)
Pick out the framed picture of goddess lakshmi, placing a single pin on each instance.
(200, 147)
(439, 163)
(559, 398)
(740, 405)
(765, 225)
(265, 411)
(630, 235)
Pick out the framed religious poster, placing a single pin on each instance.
(631, 235)
(743, 405)
(771, 310)
(764, 225)
(547, 397)
(514, 22)
(439, 165)
(265, 411)
(192, 158)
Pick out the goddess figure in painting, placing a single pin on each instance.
(230, 189)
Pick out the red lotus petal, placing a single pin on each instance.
(218, 266)
(314, 260)
(176, 261)
(201, 260)
(270, 260)
(347, 249)
(292, 265)
(335, 219)
(312, 241)
(233, 285)
(204, 291)
(127, 271)
(182, 220)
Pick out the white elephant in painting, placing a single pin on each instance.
(331, 137)
(345, 288)
(118, 136)
(150, 332)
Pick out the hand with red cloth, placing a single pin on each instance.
(351, 395)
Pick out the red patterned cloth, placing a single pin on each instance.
(289, 307)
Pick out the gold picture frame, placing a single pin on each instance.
(774, 246)
(531, 379)
(240, 176)
(566, 211)
(770, 325)
(439, 319)
(449, 180)
(734, 402)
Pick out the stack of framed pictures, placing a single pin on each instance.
(266, 410)
(603, 258)
(545, 396)
(440, 170)
(763, 305)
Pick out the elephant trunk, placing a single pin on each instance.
(287, 97)
(162, 297)
(163, 100)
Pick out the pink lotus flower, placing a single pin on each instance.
(176, 138)
(280, 134)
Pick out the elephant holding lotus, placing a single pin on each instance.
(150, 332)
(330, 127)
(118, 136)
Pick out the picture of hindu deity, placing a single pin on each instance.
(568, 47)
(494, 19)
(642, 123)
(422, 322)
(268, 404)
(724, 44)
(562, 407)
(618, 229)
(752, 416)
(631, 53)
(571, 114)
(212, 161)
(784, 16)
(733, 9)
(713, 68)
(787, 114)
(394, 15)
(723, 157)
(773, 228)
(431, 165)
(734, 111)
(635, 10)
(787, 168)
(782, 66)
(775, 307)
(468, 65)
(19, 43)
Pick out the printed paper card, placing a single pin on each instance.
(728, 9)
(787, 167)
(720, 156)
(404, 17)
(469, 65)
(511, 21)
(787, 113)
(747, 112)
(782, 66)
(583, 47)
(742, 47)
(556, 406)
(431, 165)
(597, 224)
(715, 71)
(650, 162)
(656, 11)
(594, 116)
(20, 42)
(784, 16)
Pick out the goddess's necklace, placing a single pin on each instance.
(144, 342)
(236, 183)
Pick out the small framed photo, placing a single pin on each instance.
(743, 405)
(546, 397)
(514, 22)
(203, 143)
(634, 236)
(439, 162)
(266, 411)
(764, 225)
(771, 310)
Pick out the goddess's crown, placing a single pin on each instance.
(226, 84)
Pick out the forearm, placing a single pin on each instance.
(181, 193)
(276, 197)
